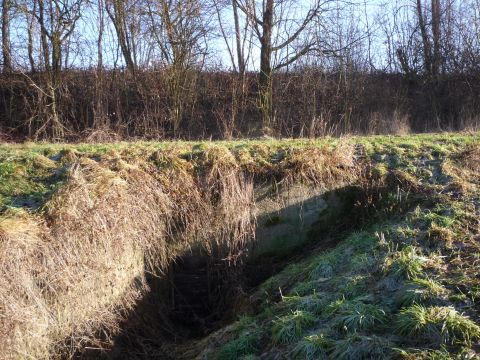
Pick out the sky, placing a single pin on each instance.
(85, 36)
(366, 11)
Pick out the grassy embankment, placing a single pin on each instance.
(405, 283)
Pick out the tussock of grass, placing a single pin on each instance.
(313, 303)
(355, 315)
(323, 270)
(290, 328)
(470, 157)
(353, 286)
(318, 166)
(439, 325)
(441, 354)
(407, 263)
(420, 291)
(439, 236)
(313, 347)
(356, 346)
(245, 345)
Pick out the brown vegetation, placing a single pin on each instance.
(154, 69)
(79, 265)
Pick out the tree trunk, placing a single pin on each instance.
(7, 56)
(436, 33)
(31, 22)
(265, 83)
(43, 35)
(120, 25)
(100, 119)
(238, 39)
(427, 47)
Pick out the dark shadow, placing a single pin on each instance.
(192, 300)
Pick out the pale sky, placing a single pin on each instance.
(85, 37)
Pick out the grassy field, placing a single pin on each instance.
(402, 282)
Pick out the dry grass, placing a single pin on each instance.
(213, 204)
(320, 167)
(470, 158)
(101, 135)
(78, 265)
(72, 273)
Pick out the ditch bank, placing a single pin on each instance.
(160, 235)
(139, 252)
(201, 292)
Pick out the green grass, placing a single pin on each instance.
(407, 264)
(356, 346)
(313, 347)
(421, 291)
(442, 325)
(290, 328)
(357, 316)
(26, 181)
(404, 281)
(248, 336)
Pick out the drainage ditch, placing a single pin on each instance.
(201, 293)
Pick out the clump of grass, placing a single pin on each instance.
(364, 263)
(355, 315)
(441, 354)
(324, 270)
(249, 336)
(406, 234)
(439, 236)
(42, 162)
(290, 328)
(313, 303)
(442, 325)
(68, 155)
(313, 347)
(440, 217)
(407, 263)
(318, 166)
(421, 290)
(470, 157)
(402, 180)
(357, 347)
(379, 171)
(244, 345)
(354, 286)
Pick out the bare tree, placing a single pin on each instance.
(57, 20)
(239, 54)
(118, 11)
(6, 50)
(179, 30)
(279, 26)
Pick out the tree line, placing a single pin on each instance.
(103, 69)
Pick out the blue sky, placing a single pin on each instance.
(85, 37)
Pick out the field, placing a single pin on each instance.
(351, 248)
